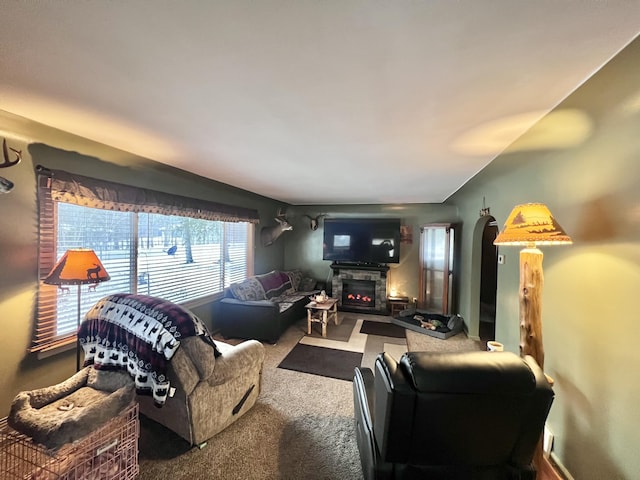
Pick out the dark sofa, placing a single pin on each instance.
(264, 306)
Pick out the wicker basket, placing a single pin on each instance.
(110, 452)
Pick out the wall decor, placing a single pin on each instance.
(314, 223)
(268, 235)
(7, 185)
(406, 234)
(7, 160)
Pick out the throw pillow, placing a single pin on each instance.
(307, 284)
(250, 289)
(295, 277)
(274, 283)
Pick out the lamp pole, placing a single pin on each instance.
(77, 337)
(531, 283)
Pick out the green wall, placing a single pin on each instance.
(41, 145)
(303, 247)
(583, 161)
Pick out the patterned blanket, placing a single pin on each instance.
(139, 334)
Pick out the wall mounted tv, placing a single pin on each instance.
(361, 240)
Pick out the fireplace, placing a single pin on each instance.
(360, 288)
(359, 293)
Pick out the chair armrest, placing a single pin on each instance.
(244, 357)
(394, 409)
(363, 382)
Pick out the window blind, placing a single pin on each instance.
(173, 247)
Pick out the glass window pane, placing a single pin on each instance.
(178, 258)
(108, 233)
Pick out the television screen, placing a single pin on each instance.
(361, 240)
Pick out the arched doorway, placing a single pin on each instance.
(488, 281)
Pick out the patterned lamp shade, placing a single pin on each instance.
(532, 224)
(77, 266)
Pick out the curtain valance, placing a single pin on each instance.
(90, 192)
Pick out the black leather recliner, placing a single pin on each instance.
(471, 415)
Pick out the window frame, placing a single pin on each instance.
(55, 186)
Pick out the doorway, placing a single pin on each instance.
(488, 281)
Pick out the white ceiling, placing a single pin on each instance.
(307, 102)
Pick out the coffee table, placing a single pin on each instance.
(321, 313)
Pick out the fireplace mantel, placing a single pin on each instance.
(383, 269)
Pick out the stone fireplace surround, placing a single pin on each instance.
(351, 271)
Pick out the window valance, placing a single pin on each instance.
(91, 192)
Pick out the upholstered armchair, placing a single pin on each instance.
(186, 381)
(472, 415)
(210, 393)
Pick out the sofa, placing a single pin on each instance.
(263, 306)
(468, 415)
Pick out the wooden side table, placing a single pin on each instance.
(397, 304)
(321, 313)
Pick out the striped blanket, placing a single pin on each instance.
(139, 334)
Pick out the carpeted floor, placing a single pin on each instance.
(301, 427)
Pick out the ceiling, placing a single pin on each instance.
(307, 102)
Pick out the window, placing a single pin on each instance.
(174, 256)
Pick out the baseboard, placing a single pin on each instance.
(551, 469)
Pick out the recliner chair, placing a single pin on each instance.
(471, 415)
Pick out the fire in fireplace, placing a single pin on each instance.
(359, 293)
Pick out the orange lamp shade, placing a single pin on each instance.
(76, 267)
(531, 224)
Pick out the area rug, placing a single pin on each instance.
(382, 329)
(326, 362)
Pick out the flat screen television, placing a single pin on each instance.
(361, 240)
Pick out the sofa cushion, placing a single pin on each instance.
(249, 289)
(274, 283)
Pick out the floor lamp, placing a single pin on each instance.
(531, 224)
(78, 266)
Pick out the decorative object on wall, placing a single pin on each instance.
(484, 211)
(314, 223)
(78, 266)
(7, 185)
(268, 235)
(531, 224)
(406, 234)
(7, 160)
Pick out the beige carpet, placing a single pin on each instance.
(302, 426)
(419, 342)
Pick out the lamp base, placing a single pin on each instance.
(531, 283)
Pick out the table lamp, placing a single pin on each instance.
(78, 266)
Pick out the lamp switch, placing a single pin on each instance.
(501, 259)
